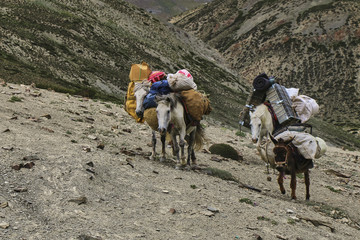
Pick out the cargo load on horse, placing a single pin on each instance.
(274, 110)
(196, 104)
(138, 73)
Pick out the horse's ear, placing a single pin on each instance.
(157, 98)
(273, 139)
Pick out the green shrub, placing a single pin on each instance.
(15, 99)
(246, 200)
(224, 150)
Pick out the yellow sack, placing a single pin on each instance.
(138, 73)
(197, 104)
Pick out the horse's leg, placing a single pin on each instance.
(293, 184)
(193, 157)
(175, 147)
(307, 184)
(281, 182)
(182, 145)
(163, 148)
(191, 145)
(153, 143)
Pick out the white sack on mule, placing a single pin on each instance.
(309, 146)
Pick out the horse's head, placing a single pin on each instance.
(255, 125)
(165, 104)
(260, 122)
(140, 92)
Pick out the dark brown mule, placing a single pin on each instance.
(288, 160)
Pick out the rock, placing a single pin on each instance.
(101, 146)
(79, 200)
(85, 237)
(20, 189)
(4, 225)
(165, 191)
(4, 204)
(208, 213)
(92, 137)
(212, 209)
(172, 210)
(48, 116)
(296, 219)
(31, 158)
(8, 148)
(26, 165)
(87, 149)
(90, 164)
(289, 211)
(215, 159)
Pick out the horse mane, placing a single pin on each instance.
(259, 111)
(171, 97)
(145, 84)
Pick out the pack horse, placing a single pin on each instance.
(172, 117)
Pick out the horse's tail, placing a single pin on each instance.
(199, 137)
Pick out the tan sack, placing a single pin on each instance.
(150, 117)
(138, 73)
(197, 104)
(305, 107)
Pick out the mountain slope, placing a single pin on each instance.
(163, 10)
(82, 47)
(311, 45)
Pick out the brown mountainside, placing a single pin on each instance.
(311, 45)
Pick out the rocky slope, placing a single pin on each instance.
(164, 10)
(87, 48)
(311, 45)
(74, 168)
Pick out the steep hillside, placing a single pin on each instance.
(79, 169)
(311, 45)
(87, 48)
(163, 10)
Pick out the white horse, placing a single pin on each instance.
(172, 116)
(262, 126)
(140, 91)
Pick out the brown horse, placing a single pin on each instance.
(288, 160)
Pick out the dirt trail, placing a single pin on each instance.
(73, 168)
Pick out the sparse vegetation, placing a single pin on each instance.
(224, 150)
(246, 200)
(222, 174)
(333, 189)
(263, 218)
(240, 133)
(15, 99)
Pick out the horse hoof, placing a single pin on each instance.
(283, 192)
(162, 159)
